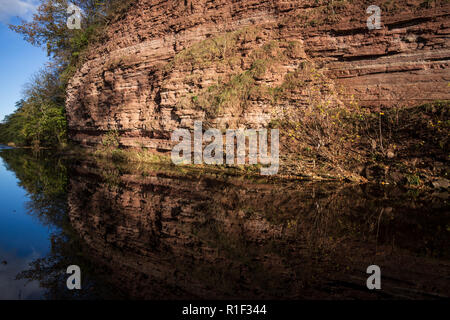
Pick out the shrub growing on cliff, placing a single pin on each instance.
(244, 79)
(111, 140)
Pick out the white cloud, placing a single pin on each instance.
(21, 8)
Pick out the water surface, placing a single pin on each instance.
(23, 238)
(147, 232)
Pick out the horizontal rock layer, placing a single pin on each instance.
(132, 83)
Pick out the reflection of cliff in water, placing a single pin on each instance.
(161, 236)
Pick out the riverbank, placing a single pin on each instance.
(408, 147)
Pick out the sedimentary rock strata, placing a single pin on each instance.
(161, 57)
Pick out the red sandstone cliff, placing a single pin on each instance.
(145, 79)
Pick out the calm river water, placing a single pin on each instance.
(147, 232)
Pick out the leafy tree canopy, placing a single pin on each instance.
(39, 119)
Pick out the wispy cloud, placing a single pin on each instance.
(21, 8)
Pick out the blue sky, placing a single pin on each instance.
(18, 59)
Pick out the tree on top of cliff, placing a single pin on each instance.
(39, 119)
(48, 27)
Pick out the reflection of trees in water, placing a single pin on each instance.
(44, 177)
(50, 271)
(45, 180)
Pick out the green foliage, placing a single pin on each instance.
(221, 49)
(413, 180)
(11, 126)
(39, 119)
(49, 25)
(227, 96)
(111, 140)
(44, 177)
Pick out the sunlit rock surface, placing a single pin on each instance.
(129, 84)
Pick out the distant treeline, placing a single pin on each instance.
(39, 119)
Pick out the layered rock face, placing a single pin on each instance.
(165, 64)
